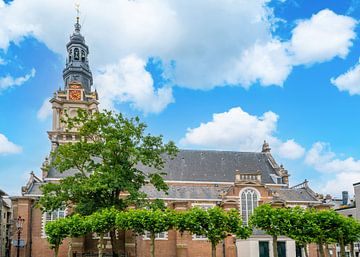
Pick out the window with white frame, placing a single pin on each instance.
(52, 216)
(158, 236)
(249, 201)
(106, 235)
(204, 206)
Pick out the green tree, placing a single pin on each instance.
(100, 223)
(56, 232)
(76, 227)
(274, 221)
(108, 158)
(214, 223)
(301, 227)
(150, 221)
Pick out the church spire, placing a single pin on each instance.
(77, 69)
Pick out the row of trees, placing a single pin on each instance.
(307, 226)
(214, 223)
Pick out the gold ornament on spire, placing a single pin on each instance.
(77, 8)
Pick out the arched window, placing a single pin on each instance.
(70, 54)
(76, 54)
(82, 55)
(249, 201)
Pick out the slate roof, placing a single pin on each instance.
(298, 194)
(35, 189)
(188, 192)
(196, 165)
(216, 166)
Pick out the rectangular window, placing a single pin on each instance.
(281, 248)
(51, 216)
(158, 236)
(264, 249)
(106, 235)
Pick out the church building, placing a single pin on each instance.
(204, 178)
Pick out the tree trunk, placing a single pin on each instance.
(342, 247)
(275, 250)
(56, 251)
(114, 246)
(152, 244)
(352, 250)
(306, 251)
(135, 235)
(321, 249)
(213, 249)
(101, 245)
(70, 248)
(327, 250)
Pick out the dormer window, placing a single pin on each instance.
(82, 55)
(76, 54)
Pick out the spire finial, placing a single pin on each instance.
(77, 24)
(266, 148)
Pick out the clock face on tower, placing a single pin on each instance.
(75, 95)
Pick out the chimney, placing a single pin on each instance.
(345, 197)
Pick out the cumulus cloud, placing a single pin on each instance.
(349, 81)
(239, 130)
(200, 51)
(128, 81)
(7, 147)
(8, 81)
(322, 37)
(323, 159)
(45, 110)
(340, 173)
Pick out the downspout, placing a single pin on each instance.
(30, 223)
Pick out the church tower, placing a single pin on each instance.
(76, 93)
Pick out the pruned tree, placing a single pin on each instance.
(152, 221)
(56, 232)
(274, 221)
(214, 223)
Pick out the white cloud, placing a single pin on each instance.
(349, 81)
(197, 51)
(341, 174)
(7, 147)
(323, 159)
(45, 110)
(291, 150)
(239, 130)
(267, 63)
(9, 81)
(322, 37)
(128, 81)
(2, 61)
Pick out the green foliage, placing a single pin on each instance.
(214, 223)
(56, 232)
(102, 221)
(141, 220)
(108, 157)
(274, 221)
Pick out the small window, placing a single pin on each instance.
(76, 54)
(70, 55)
(158, 236)
(82, 55)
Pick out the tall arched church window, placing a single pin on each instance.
(76, 54)
(249, 201)
(82, 55)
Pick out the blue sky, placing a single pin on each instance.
(207, 74)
